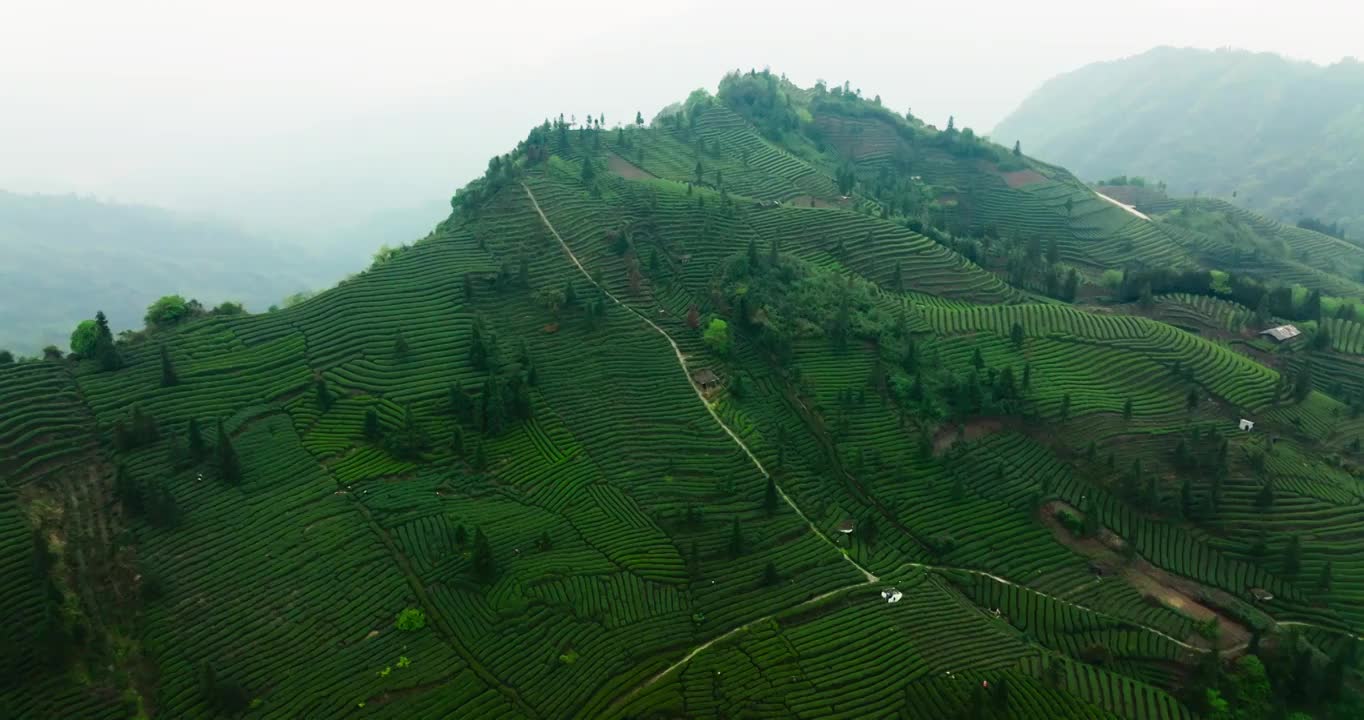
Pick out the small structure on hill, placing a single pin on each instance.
(846, 526)
(1282, 333)
(1261, 594)
(706, 379)
(1247, 425)
(891, 595)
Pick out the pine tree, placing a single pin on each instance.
(480, 459)
(1018, 149)
(753, 262)
(1127, 409)
(229, 465)
(1065, 407)
(168, 377)
(478, 349)
(1324, 579)
(483, 564)
(461, 404)
(197, 449)
(770, 497)
(770, 575)
(1016, 335)
(400, 347)
(374, 430)
(461, 537)
(1292, 557)
(324, 396)
(106, 353)
(736, 539)
(1091, 519)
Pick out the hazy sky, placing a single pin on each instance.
(282, 113)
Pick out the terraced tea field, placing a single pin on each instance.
(625, 438)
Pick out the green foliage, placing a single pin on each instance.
(171, 310)
(410, 619)
(83, 339)
(717, 337)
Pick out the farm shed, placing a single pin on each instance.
(1247, 424)
(1261, 594)
(706, 379)
(846, 526)
(1282, 333)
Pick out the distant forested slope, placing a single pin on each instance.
(64, 257)
(1286, 137)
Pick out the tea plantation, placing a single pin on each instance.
(782, 405)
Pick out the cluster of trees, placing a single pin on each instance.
(1274, 680)
(763, 100)
(149, 499)
(1334, 229)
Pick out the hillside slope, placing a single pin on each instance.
(1287, 138)
(674, 421)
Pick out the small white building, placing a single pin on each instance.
(1247, 425)
(891, 595)
(1282, 333)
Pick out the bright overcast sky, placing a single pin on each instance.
(289, 111)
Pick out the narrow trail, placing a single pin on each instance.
(686, 372)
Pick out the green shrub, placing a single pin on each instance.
(411, 619)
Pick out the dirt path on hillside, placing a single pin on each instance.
(1124, 206)
(949, 434)
(1180, 594)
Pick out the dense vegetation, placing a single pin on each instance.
(784, 405)
(1281, 137)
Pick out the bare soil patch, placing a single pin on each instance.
(1022, 178)
(806, 201)
(950, 434)
(1186, 597)
(627, 169)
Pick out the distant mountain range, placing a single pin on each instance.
(1280, 136)
(62, 257)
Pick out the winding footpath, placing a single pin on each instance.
(686, 373)
(869, 577)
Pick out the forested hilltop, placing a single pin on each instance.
(1281, 137)
(783, 404)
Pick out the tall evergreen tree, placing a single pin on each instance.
(229, 465)
(106, 353)
(1292, 557)
(770, 497)
(461, 404)
(374, 430)
(324, 395)
(736, 539)
(482, 563)
(770, 575)
(197, 449)
(168, 376)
